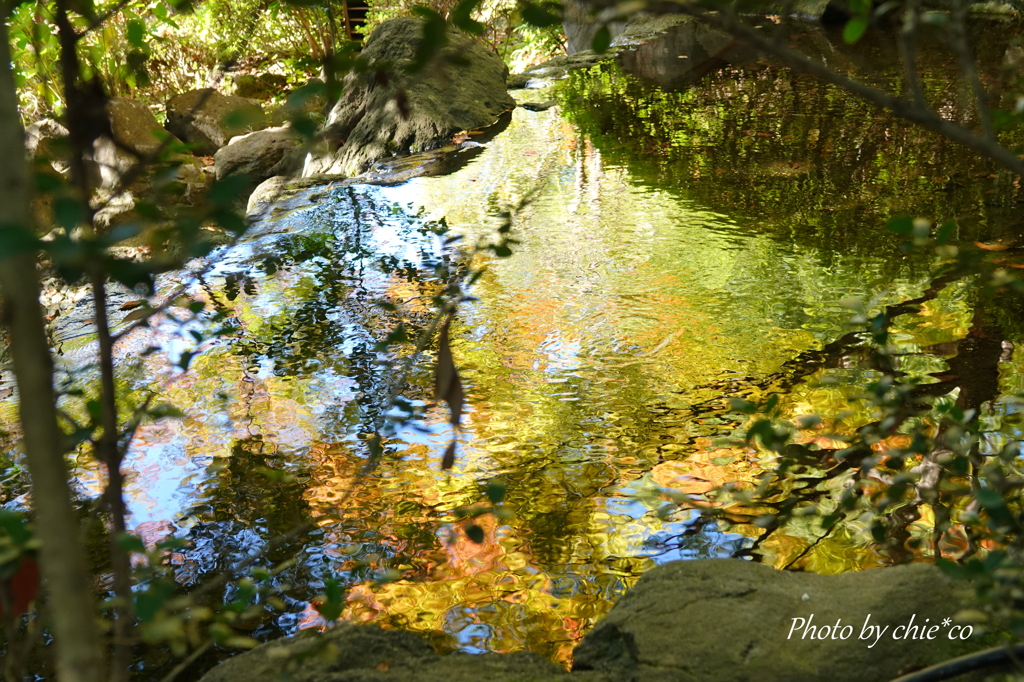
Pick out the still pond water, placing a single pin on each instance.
(684, 242)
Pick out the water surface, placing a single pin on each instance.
(682, 245)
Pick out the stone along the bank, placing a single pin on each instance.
(713, 620)
(389, 111)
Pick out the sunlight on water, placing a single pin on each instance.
(595, 360)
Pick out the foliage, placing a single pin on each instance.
(931, 450)
(498, 24)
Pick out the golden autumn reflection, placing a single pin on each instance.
(653, 281)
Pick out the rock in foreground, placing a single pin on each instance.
(365, 653)
(716, 620)
(725, 620)
(393, 112)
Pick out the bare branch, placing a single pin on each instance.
(986, 147)
(102, 19)
(180, 668)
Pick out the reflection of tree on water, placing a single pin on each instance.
(970, 375)
(785, 154)
(252, 497)
(359, 295)
(315, 311)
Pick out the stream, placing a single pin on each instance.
(691, 232)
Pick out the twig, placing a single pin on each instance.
(811, 546)
(102, 19)
(964, 664)
(109, 452)
(180, 668)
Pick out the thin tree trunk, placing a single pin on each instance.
(109, 452)
(79, 656)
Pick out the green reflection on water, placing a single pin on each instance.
(680, 247)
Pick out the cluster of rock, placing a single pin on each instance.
(234, 130)
(715, 620)
(393, 107)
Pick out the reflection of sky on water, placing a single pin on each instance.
(624, 306)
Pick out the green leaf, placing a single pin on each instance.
(332, 605)
(137, 33)
(854, 30)
(225, 191)
(68, 212)
(164, 411)
(434, 38)
(945, 232)
(462, 17)
(148, 603)
(900, 225)
(538, 16)
(475, 533)
(990, 499)
(15, 240)
(602, 40)
(495, 492)
(185, 359)
(47, 183)
(130, 274)
(15, 527)
(742, 406)
(130, 543)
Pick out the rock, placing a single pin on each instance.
(47, 151)
(538, 106)
(116, 211)
(1013, 58)
(683, 52)
(137, 134)
(727, 620)
(208, 119)
(517, 81)
(365, 653)
(185, 178)
(267, 192)
(263, 86)
(46, 141)
(307, 100)
(260, 155)
(377, 117)
(558, 67)
(580, 25)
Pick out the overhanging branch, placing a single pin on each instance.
(903, 108)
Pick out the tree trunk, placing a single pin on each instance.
(79, 655)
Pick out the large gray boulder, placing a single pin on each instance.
(713, 620)
(136, 135)
(377, 117)
(365, 653)
(46, 141)
(266, 193)
(209, 119)
(259, 155)
(727, 620)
